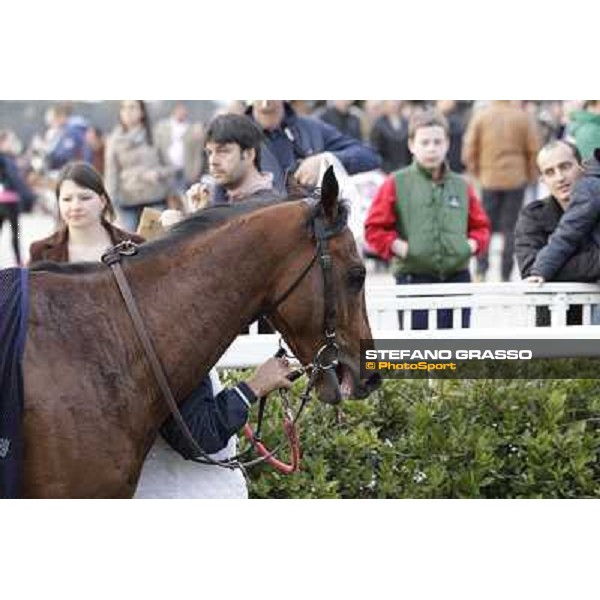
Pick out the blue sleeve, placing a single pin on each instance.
(212, 420)
(575, 228)
(61, 153)
(87, 154)
(71, 146)
(354, 155)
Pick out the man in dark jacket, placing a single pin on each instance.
(579, 226)
(389, 136)
(560, 167)
(295, 145)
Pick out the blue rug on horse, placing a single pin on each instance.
(13, 330)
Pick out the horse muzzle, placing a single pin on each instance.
(366, 386)
(343, 383)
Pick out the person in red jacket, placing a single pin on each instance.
(428, 218)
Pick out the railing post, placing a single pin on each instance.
(558, 310)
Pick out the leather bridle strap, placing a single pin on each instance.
(292, 287)
(112, 258)
(322, 234)
(329, 316)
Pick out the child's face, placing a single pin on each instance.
(429, 146)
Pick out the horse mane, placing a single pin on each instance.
(203, 221)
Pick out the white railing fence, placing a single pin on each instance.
(495, 305)
(498, 311)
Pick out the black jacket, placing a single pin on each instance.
(346, 123)
(455, 133)
(579, 225)
(537, 221)
(391, 144)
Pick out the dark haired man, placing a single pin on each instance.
(233, 151)
(560, 166)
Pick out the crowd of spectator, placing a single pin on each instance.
(493, 145)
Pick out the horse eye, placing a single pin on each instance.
(356, 278)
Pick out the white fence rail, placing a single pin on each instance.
(494, 305)
(498, 311)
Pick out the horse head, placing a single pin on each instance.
(322, 312)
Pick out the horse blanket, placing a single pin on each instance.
(13, 330)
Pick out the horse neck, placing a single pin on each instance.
(209, 288)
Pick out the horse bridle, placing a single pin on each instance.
(325, 360)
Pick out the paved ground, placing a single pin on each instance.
(33, 226)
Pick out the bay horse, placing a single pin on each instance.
(92, 405)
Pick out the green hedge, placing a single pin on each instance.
(445, 439)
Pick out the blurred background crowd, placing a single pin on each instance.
(37, 138)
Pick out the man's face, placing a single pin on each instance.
(429, 146)
(268, 113)
(228, 163)
(559, 170)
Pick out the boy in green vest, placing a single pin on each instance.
(428, 218)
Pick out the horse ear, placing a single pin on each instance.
(329, 193)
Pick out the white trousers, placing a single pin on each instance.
(166, 474)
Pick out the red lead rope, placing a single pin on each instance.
(294, 444)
